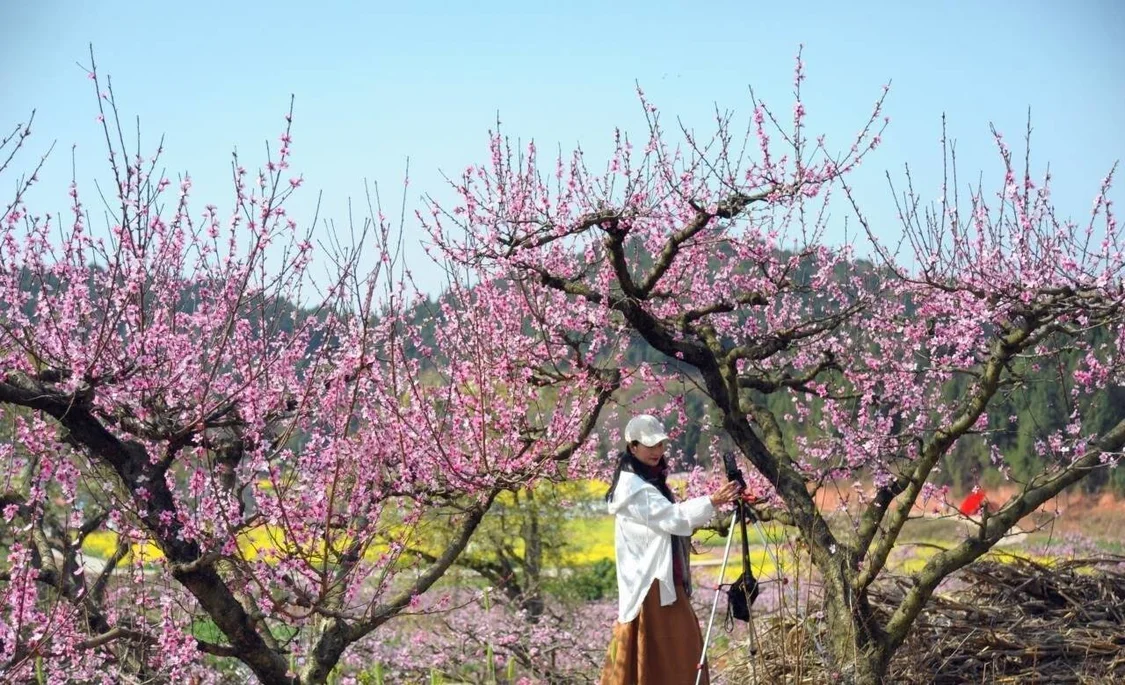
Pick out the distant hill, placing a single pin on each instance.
(1044, 408)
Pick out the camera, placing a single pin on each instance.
(734, 474)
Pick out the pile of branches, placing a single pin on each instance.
(1019, 621)
(1010, 621)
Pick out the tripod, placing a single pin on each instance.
(742, 513)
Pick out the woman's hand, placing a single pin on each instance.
(726, 494)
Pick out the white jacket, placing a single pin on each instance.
(645, 524)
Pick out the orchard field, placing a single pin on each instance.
(265, 420)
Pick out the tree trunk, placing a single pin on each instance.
(532, 599)
(856, 651)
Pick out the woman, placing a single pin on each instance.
(656, 639)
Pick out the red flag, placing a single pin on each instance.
(972, 503)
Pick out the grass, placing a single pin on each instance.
(771, 533)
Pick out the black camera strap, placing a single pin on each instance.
(743, 512)
(742, 592)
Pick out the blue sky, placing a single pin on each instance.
(377, 82)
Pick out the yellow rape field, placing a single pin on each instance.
(590, 538)
(588, 535)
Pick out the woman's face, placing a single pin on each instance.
(650, 456)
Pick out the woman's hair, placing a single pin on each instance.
(656, 476)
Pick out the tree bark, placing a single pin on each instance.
(130, 461)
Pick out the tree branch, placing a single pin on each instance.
(996, 526)
(97, 591)
(130, 462)
(1002, 352)
(873, 515)
(216, 650)
(116, 634)
(774, 382)
(338, 634)
(727, 209)
(472, 520)
(770, 345)
(725, 307)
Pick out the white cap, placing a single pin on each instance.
(645, 429)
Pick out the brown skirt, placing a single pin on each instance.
(661, 646)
